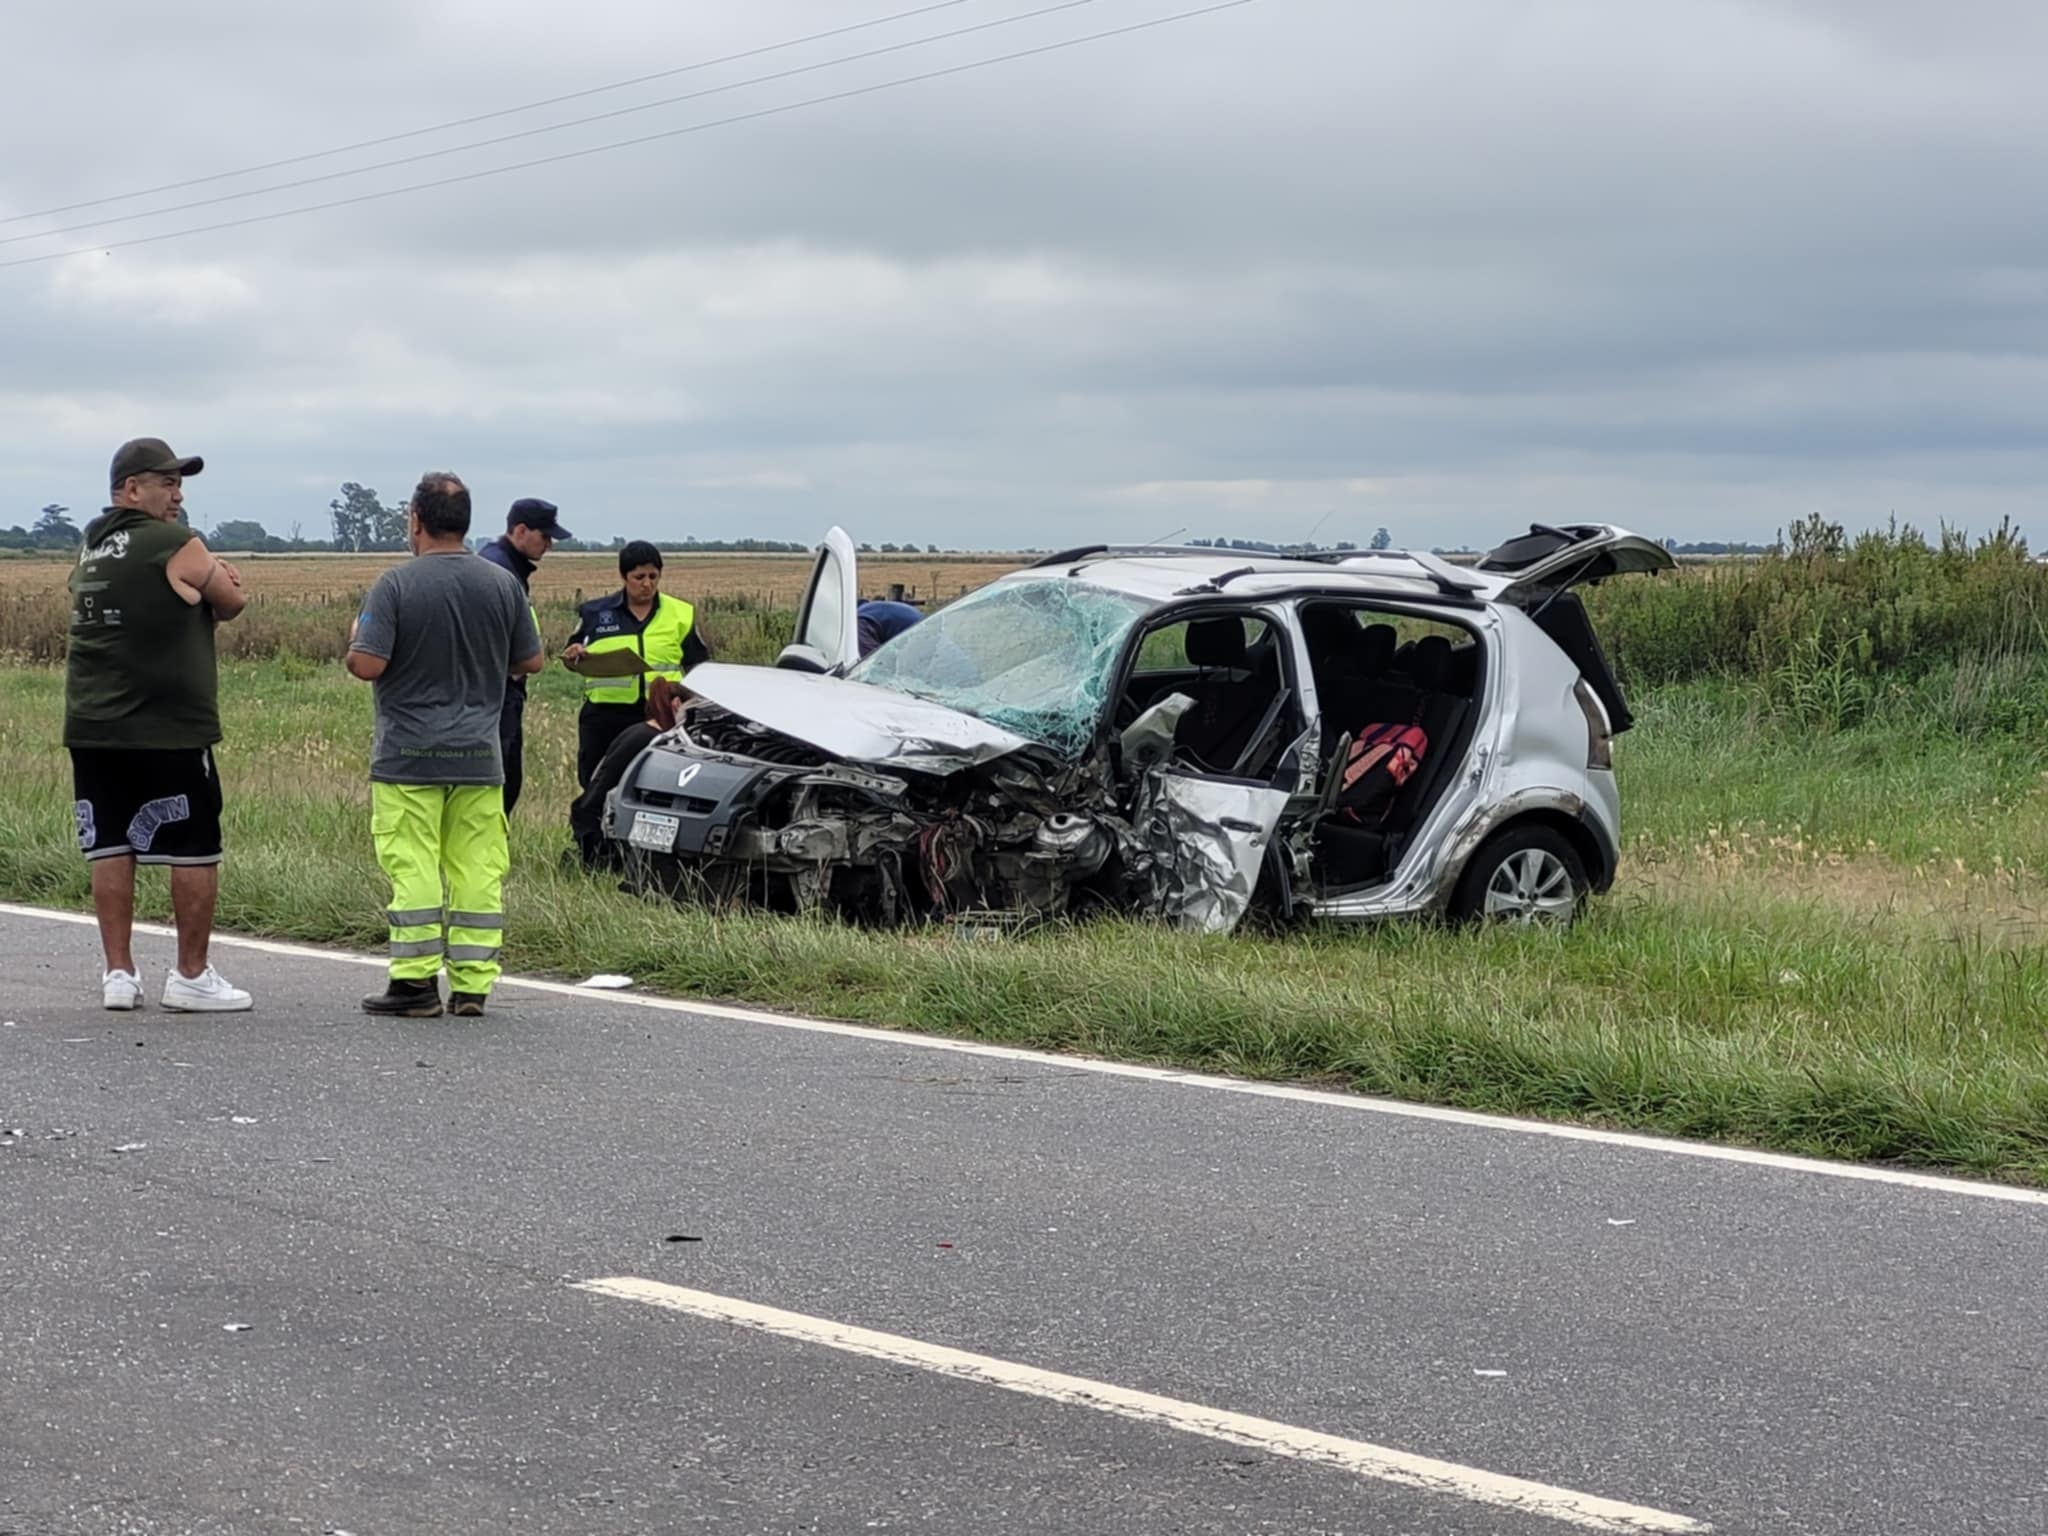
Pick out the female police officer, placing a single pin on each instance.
(623, 641)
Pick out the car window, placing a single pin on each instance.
(1035, 657)
(1165, 649)
(823, 623)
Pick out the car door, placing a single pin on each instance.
(828, 619)
(1209, 834)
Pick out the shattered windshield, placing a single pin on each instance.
(1034, 657)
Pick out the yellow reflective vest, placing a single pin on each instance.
(608, 625)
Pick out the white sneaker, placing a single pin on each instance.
(208, 992)
(121, 990)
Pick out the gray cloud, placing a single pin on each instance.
(1699, 267)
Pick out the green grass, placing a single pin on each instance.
(1703, 758)
(1793, 959)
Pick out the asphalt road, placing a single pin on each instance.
(335, 1287)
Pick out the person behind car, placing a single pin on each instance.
(641, 619)
(586, 815)
(881, 620)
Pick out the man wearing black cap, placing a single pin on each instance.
(141, 717)
(530, 531)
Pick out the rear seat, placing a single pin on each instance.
(1361, 689)
(1418, 694)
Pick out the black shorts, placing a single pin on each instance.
(156, 807)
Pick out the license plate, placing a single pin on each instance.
(654, 831)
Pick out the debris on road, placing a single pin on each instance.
(131, 1146)
(606, 981)
(1613, 1221)
(237, 1327)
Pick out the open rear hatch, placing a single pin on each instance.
(1537, 572)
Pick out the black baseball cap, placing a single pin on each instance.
(532, 512)
(149, 456)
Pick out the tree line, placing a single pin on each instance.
(360, 522)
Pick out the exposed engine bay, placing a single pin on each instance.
(752, 816)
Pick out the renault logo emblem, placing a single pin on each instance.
(689, 773)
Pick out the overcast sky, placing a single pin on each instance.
(1699, 267)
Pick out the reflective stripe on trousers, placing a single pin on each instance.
(442, 846)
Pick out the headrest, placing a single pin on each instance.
(1431, 665)
(1216, 643)
(1328, 629)
(1375, 648)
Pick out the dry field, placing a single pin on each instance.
(775, 580)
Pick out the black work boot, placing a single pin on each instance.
(406, 1000)
(466, 1005)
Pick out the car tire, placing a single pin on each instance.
(1528, 874)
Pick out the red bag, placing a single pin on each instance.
(1382, 758)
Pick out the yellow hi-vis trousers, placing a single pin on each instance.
(443, 848)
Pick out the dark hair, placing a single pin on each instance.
(637, 554)
(441, 502)
(664, 700)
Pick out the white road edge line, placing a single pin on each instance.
(1749, 1156)
(1379, 1462)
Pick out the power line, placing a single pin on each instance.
(485, 117)
(529, 133)
(651, 138)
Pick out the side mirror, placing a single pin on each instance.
(802, 658)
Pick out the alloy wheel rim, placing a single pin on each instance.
(1531, 886)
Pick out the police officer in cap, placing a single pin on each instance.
(530, 532)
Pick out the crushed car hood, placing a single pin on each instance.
(854, 721)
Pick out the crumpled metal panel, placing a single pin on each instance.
(1206, 840)
(854, 721)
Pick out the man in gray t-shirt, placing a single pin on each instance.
(437, 639)
(451, 627)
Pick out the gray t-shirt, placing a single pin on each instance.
(451, 628)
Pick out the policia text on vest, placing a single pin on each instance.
(664, 639)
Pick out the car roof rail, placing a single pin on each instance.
(1086, 552)
(1446, 578)
(1449, 580)
(1068, 556)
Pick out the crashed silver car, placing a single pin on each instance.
(1190, 735)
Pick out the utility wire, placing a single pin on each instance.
(485, 117)
(651, 138)
(529, 133)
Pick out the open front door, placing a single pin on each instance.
(1208, 839)
(828, 622)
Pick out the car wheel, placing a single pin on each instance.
(1528, 874)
